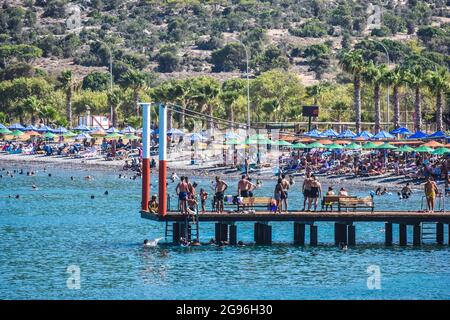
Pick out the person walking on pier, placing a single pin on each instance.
(431, 190)
(221, 186)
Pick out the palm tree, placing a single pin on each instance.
(231, 90)
(136, 81)
(414, 76)
(32, 105)
(315, 91)
(69, 85)
(353, 63)
(205, 90)
(396, 79)
(115, 99)
(374, 75)
(439, 82)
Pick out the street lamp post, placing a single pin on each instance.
(388, 63)
(111, 77)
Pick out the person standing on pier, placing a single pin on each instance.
(306, 189)
(182, 191)
(315, 193)
(221, 186)
(284, 196)
(431, 190)
(278, 194)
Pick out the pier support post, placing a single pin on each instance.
(145, 156)
(233, 234)
(313, 235)
(176, 234)
(402, 234)
(340, 233)
(162, 190)
(417, 236)
(299, 233)
(263, 233)
(221, 232)
(388, 233)
(351, 235)
(440, 233)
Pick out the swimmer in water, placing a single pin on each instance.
(88, 178)
(34, 187)
(106, 193)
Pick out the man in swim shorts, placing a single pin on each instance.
(182, 190)
(221, 186)
(431, 190)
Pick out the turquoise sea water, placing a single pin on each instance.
(59, 225)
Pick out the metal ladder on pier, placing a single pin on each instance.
(428, 231)
(191, 221)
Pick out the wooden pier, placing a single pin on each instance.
(425, 226)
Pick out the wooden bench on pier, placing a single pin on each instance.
(254, 202)
(356, 203)
(328, 201)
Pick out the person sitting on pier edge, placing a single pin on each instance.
(191, 204)
(221, 186)
(153, 205)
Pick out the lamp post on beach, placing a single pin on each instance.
(110, 78)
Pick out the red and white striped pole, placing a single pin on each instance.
(162, 191)
(145, 156)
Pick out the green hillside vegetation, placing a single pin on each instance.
(193, 53)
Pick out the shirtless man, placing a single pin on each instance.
(431, 190)
(221, 186)
(306, 189)
(182, 191)
(285, 184)
(244, 187)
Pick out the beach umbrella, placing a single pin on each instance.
(81, 127)
(433, 144)
(418, 135)
(424, 149)
(131, 137)
(175, 132)
(16, 126)
(314, 133)
(113, 135)
(16, 133)
(60, 130)
(112, 130)
(281, 143)
(383, 135)
(441, 151)
(401, 130)
(231, 135)
(365, 135)
(325, 141)
(129, 130)
(347, 134)
(44, 128)
(370, 145)
(353, 146)
(314, 145)
(32, 133)
(405, 148)
(5, 131)
(2, 126)
(437, 135)
(98, 132)
(330, 133)
(83, 136)
(69, 134)
(30, 128)
(197, 137)
(257, 137)
(386, 146)
(48, 135)
(334, 146)
(299, 145)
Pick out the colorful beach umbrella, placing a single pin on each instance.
(418, 135)
(325, 141)
(347, 134)
(33, 133)
(366, 135)
(16, 133)
(370, 145)
(233, 142)
(386, 146)
(49, 135)
(353, 146)
(60, 130)
(314, 134)
(424, 149)
(433, 144)
(281, 143)
(298, 145)
(69, 134)
(16, 126)
(113, 135)
(401, 130)
(314, 145)
(44, 128)
(83, 136)
(99, 132)
(441, 151)
(383, 135)
(130, 137)
(330, 133)
(437, 135)
(112, 130)
(30, 128)
(129, 130)
(5, 131)
(334, 146)
(81, 127)
(405, 148)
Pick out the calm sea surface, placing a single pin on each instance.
(59, 225)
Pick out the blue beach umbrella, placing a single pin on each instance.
(44, 128)
(112, 130)
(401, 130)
(437, 135)
(330, 133)
(82, 136)
(314, 134)
(175, 132)
(2, 126)
(347, 134)
(418, 135)
(60, 130)
(383, 135)
(197, 137)
(366, 135)
(82, 127)
(128, 130)
(16, 126)
(231, 135)
(30, 128)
